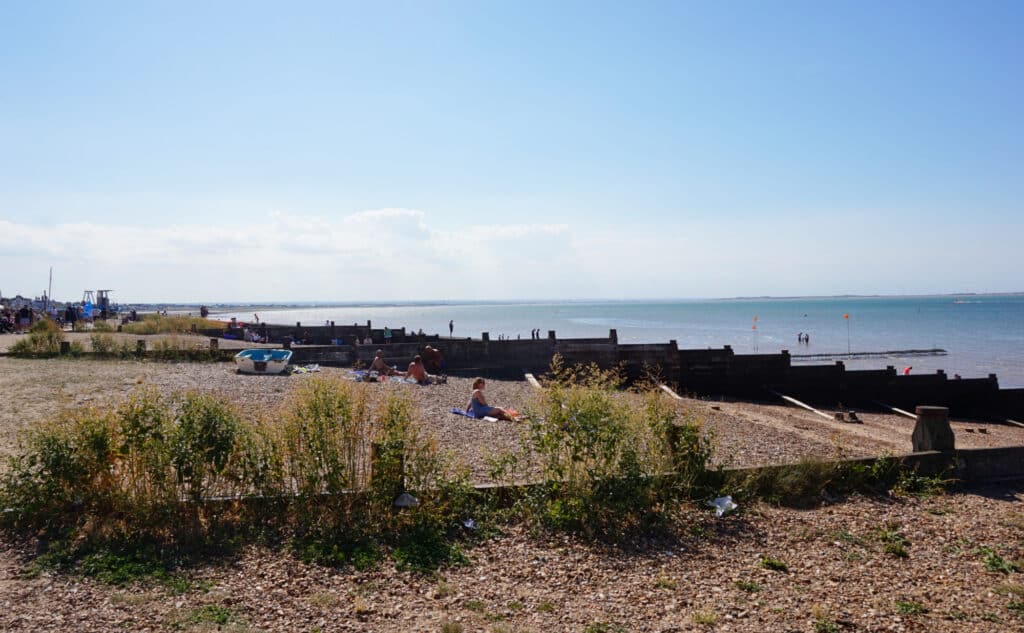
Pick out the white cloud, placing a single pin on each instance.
(382, 254)
(405, 254)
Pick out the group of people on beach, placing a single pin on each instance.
(803, 338)
(21, 319)
(431, 358)
(419, 369)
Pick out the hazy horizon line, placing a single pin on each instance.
(455, 302)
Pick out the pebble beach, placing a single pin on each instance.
(519, 581)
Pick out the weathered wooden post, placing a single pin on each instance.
(65, 348)
(613, 336)
(140, 347)
(932, 431)
(286, 342)
(213, 345)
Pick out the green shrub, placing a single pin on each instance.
(173, 349)
(202, 442)
(610, 460)
(100, 325)
(175, 472)
(103, 344)
(43, 340)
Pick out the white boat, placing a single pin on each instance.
(262, 361)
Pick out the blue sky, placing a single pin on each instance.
(331, 151)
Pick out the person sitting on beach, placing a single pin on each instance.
(418, 372)
(378, 365)
(478, 404)
(432, 358)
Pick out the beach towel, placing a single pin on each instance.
(469, 414)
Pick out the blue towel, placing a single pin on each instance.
(463, 413)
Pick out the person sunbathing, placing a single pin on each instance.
(378, 365)
(479, 407)
(417, 371)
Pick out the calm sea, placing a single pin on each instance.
(982, 334)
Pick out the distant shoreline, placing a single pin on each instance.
(293, 305)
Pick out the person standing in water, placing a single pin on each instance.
(451, 328)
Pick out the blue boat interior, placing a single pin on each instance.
(266, 355)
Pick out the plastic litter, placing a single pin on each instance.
(469, 524)
(723, 505)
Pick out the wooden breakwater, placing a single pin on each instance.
(718, 372)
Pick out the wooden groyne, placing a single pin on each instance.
(718, 372)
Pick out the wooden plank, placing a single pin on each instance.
(803, 405)
(1014, 423)
(669, 391)
(906, 414)
(533, 381)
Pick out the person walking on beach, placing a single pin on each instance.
(387, 335)
(451, 328)
(800, 337)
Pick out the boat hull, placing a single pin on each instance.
(262, 361)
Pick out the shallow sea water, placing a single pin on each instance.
(981, 334)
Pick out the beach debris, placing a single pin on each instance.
(469, 524)
(723, 505)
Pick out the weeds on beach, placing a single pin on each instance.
(190, 472)
(159, 324)
(43, 340)
(610, 460)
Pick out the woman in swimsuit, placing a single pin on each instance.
(479, 407)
